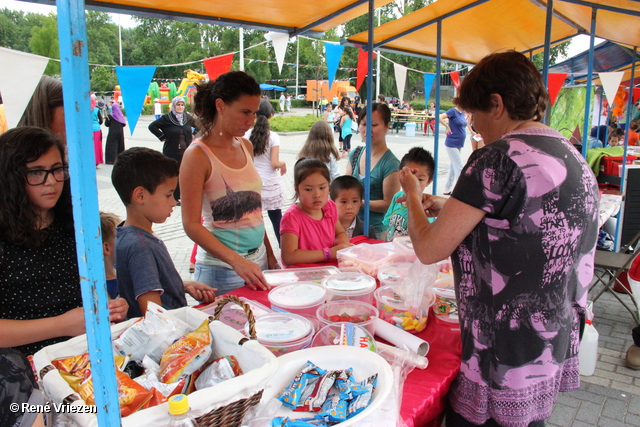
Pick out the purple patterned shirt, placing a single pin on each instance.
(522, 276)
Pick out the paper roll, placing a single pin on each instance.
(400, 338)
(390, 352)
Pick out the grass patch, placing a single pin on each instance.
(293, 123)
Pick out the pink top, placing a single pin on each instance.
(312, 234)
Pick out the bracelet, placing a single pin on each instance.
(327, 253)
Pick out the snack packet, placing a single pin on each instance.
(314, 402)
(219, 370)
(186, 355)
(362, 400)
(151, 335)
(131, 395)
(301, 386)
(151, 381)
(297, 422)
(334, 409)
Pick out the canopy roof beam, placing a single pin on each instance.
(561, 17)
(427, 23)
(329, 17)
(404, 52)
(604, 7)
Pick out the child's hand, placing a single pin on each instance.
(200, 291)
(118, 310)
(335, 249)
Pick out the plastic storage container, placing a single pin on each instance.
(367, 257)
(350, 286)
(283, 333)
(410, 129)
(446, 305)
(349, 311)
(394, 273)
(344, 334)
(302, 298)
(295, 275)
(404, 249)
(233, 315)
(392, 309)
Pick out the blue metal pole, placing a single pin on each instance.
(616, 239)
(547, 48)
(367, 158)
(587, 110)
(436, 136)
(74, 61)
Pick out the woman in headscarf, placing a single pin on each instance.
(175, 129)
(115, 138)
(96, 121)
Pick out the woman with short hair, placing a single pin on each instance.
(521, 228)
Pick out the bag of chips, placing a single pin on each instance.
(186, 355)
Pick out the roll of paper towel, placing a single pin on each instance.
(401, 338)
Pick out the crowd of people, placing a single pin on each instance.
(519, 222)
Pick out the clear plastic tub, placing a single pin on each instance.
(350, 286)
(283, 333)
(393, 309)
(295, 275)
(367, 257)
(446, 305)
(233, 315)
(445, 274)
(404, 249)
(344, 334)
(302, 298)
(349, 311)
(393, 273)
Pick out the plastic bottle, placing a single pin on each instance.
(180, 412)
(588, 349)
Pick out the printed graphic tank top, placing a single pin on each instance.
(232, 206)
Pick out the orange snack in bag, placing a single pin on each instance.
(132, 396)
(186, 355)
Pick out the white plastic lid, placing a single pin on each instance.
(281, 328)
(404, 242)
(368, 253)
(351, 283)
(449, 293)
(297, 295)
(394, 272)
(295, 275)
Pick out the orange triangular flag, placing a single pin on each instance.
(556, 80)
(218, 65)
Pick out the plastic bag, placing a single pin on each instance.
(151, 335)
(219, 370)
(419, 278)
(186, 355)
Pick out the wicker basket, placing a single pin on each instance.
(222, 405)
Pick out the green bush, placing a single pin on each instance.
(298, 103)
(293, 123)
(147, 109)
(417, 105)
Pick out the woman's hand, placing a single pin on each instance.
(251, 273)
(72, 322)
(200, 291)
(409, 181)
(118, 309)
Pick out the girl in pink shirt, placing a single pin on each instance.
(310, 229)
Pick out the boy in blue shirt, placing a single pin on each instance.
(145, 180)
(396, 219)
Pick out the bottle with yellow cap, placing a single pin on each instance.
(180, 412)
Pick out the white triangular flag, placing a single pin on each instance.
(401, 79)
(19, 76)
(279, 41)
(610, 83)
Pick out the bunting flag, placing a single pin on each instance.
(361, 73)
(401, 79)
(610, 83)
(636, 94)
(455, 78)
(556, 80)
(429, 78)
(333, 52)
(279, 42)
(18, 81)
(134, 83)
(218, 65)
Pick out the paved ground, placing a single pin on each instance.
(609, 398)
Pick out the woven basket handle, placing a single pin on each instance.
(247, 310)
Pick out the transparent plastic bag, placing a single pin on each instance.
(419, 278)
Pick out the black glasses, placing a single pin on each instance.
(39, 176)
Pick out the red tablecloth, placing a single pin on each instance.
(425, 391)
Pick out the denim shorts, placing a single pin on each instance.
(223, 278)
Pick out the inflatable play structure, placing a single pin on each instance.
(166, 92)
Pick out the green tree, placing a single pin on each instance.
(44, 42)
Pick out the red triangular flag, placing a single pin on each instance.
(576, 137)
(556, 80)
(361, 71)
(636, 94)
(455, 78)
(218, 65)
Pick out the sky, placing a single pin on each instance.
(579, 43)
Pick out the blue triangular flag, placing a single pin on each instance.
(134, 84)
(428, 83)
(334, 53)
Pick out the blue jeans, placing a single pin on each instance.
(223, 278)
